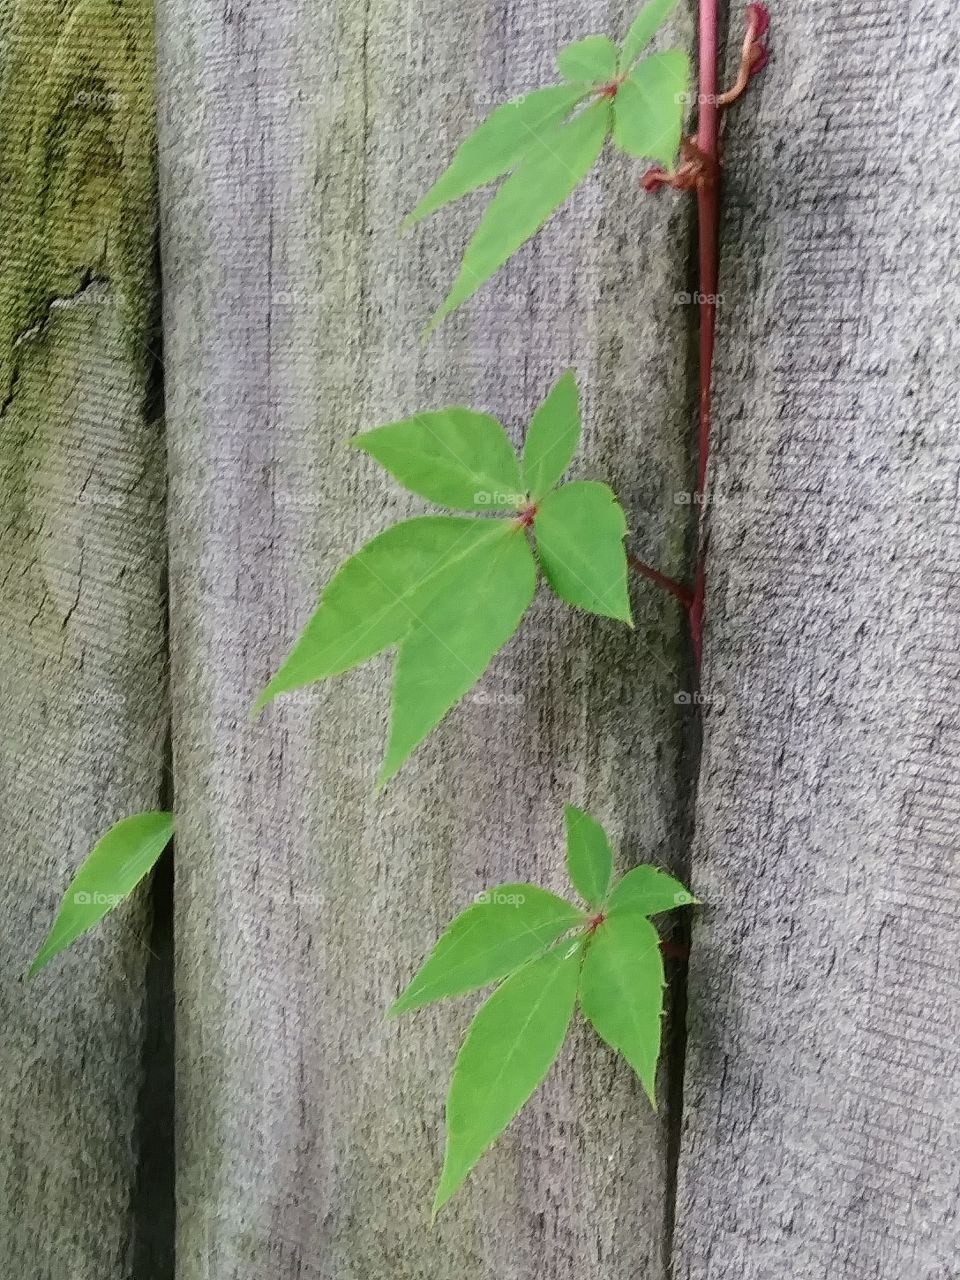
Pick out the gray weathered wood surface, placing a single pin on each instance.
(82, 702)
(293, 139)
(818, 1135)
(820, 1131)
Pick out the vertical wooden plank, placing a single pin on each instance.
(293, 139)
(82, 702)
(819, 1134)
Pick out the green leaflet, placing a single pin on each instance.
(115, 866)
(454, 457)
(533, 192)
(498, 144)
(648, 107)
(552, 437)
(580, 530)
(593, 59)
(649, 891)
(509, 1049)
(651, 17)
(589, 857)
(457, 635)
(378, 594)
(621, 991)
(506, 927)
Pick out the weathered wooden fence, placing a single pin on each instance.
(808, 1125)
(83, 713)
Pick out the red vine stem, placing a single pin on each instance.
(708, 204)
(700, 170)
(753, 58)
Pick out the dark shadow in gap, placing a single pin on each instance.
(153, 1197)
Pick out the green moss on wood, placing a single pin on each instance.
(76, 163)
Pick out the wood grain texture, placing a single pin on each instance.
(293, 139)
(82, 702)
(820, 1124)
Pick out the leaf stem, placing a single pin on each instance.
(674, 950)
(682, 593)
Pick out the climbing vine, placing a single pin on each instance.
(446, 592)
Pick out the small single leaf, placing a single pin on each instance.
(498, 144)
(593, 59)
(589, 856)
(504, 929)
(621, 992)
(454, 457)
(643, 28)
(552, 437)
(556, 163)
(113, 869)
(648, 108)
(510, 1047)
(580, 530)
(648, 891)
(455, 639)
(378, 594)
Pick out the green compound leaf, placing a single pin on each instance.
(644, 26)
(580, 530)
(517, 932)
(648, 107)
(510, 1047)
(454, 457)
(648, 891)
(589, 856)
(552, 437)
(593, 59)
(115, 866)
(378, 594)
(556, 164)
(504, 929)
(621, 991)
(498, 144)
(457, 634)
